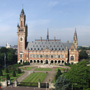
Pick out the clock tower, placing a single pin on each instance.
(22, 36)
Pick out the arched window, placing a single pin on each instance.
(34, 61)
(55, 61)
(37, 61)
(59, 61)
(20, 61)
(72, 57)
(51, 61)
(62, 61)
(41, 61)
(30, 61)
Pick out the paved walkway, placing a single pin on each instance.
(23, 88)
(50, 75)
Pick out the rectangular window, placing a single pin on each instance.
(58, 56)
(37, 56)
(31, 56)
(55, 56)
(62, 56)
(21, 55)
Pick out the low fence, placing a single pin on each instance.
(29, 84)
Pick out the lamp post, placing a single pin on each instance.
(46, 85)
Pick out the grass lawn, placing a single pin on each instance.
(54, 79)
(43, 69)
(34, 77)
(27, 68)
(62, 69)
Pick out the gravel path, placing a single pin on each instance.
(50, 76)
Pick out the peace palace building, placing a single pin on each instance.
(44, 51)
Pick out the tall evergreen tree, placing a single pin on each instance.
(58, 74)
(8, 77)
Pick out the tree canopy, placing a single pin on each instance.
(11, 58)
(63, 84)
(79, 75)
(83, 55)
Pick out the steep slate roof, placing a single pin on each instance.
(55, 45)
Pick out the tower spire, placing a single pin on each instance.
(47, 34)
(75, 41)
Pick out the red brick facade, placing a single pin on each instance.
(50, 54)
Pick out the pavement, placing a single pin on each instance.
(24, 88)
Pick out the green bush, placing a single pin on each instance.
(14, 74)
(8, 77)
(1, 73)
(26, 63)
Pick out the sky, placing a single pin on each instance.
(61, 17)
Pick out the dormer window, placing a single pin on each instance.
(72, 49)
(55, 48)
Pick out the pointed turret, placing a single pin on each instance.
(22, 18)
(75, 41)
(22, 12)
(47, 34)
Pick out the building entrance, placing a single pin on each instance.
(46, 62)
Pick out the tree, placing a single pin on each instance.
(14, 74)
(11, 58)
(58, 74)
(83, 55)
(8, 77)
(79, 75)
(63, 84)
(1, 73)
(19, 71)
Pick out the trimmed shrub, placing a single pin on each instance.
(19, 71)
(14, 74)
(8, 77)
